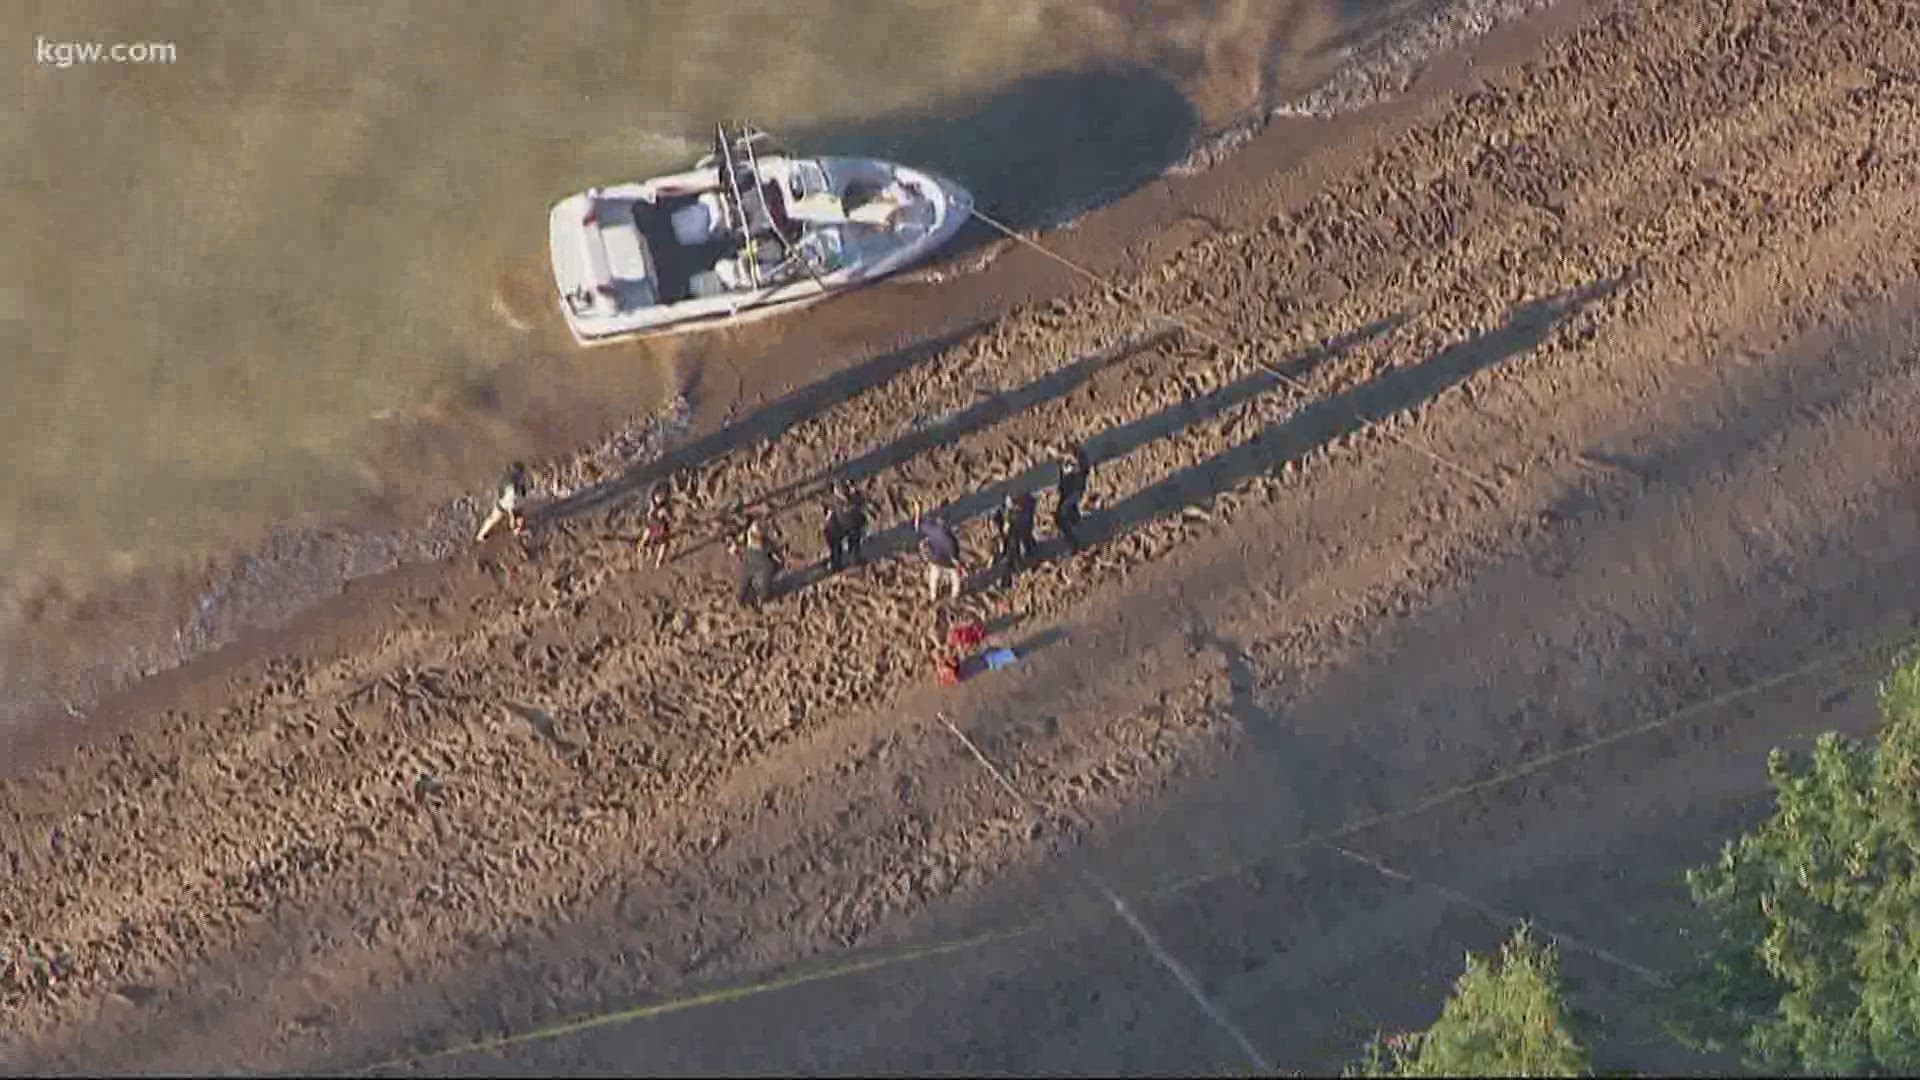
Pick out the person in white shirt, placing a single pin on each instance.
(506, 504)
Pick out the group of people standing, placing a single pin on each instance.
(1013, 529)
(846, 519)
(762, 555)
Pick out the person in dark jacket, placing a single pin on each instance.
(846, 527)
(1069, 490)
(858, 520)
(1013, 533)
(833, 530)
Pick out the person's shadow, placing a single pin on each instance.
(1284, 755)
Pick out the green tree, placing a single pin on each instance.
(1816, 962)
(1504, 1019)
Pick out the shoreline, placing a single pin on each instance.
(256, 592)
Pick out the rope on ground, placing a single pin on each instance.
(1217, 342)
(1139, 926)
(694, 1001)
(1884, 650)
(1644, 974)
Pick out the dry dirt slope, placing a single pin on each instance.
(1633, 243)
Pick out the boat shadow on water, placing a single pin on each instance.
(1038, 152)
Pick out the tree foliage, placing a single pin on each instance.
(1816, 965)
(1503, 1019)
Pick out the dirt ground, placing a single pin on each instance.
(1577, 389)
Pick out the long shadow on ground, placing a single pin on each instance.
(1324, 421)
(984, 413)
(800, 405)
(987, 411)
(1292, 439)
(899, 538)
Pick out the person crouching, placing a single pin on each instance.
(508, 497)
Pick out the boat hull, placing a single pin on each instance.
(580, 262)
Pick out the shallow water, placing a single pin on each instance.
(264, 284)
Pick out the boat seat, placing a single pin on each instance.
(878, 212)
(698, 222)
(824, 208)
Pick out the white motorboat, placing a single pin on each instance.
(748, 231)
